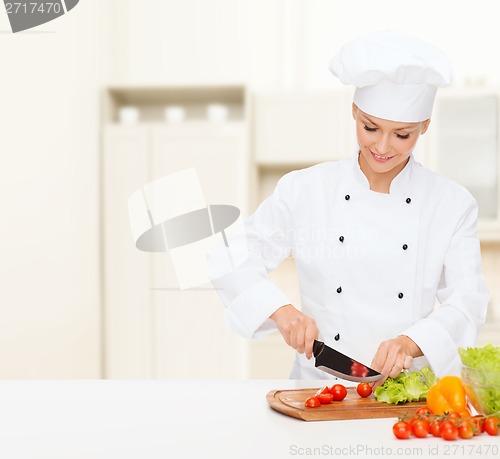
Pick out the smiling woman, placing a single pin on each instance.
(377, 305)
(385, 147)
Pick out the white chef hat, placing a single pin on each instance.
(396, 76)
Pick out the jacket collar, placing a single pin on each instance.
(400, 184)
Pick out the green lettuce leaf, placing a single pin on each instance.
(406, 387)
(415, 387)
(394, 393)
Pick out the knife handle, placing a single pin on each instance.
(318, 347)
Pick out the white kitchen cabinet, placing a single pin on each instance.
(462, 144)
(191, 338)
(152, 329)
(218, 152)
(127, 299)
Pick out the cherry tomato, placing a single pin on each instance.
(453, 416)
(423, 411)
(339, 392)
(491, 424)
(401, 430)
(435, 428)
(420, 428)
(323, 390)
(465, 429)
(312, 402)
(325, 398)
(478, 424)
(364, 389)
(412, 420)
(448, 431)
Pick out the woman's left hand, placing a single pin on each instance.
(393, 356)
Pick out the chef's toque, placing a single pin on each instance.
(396, 75)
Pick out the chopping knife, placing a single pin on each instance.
(342, 366)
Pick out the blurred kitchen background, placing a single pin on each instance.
(82, 111)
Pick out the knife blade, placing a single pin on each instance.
(342, 366)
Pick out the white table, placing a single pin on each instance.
(191, 419)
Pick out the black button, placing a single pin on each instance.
(400, 295)
(337, 337)
(339, 290)
(347, 197)
(405, 246)
(408, 200)
(341, 238)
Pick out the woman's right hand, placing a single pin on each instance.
(298, 330)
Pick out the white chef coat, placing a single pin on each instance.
(370, 265)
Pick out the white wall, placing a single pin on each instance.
(288, 43)
(49, 202)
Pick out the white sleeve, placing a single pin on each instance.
(463, 297)
(250, 297)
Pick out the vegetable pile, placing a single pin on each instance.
(407, 387)
(449, 426)
(481, 373)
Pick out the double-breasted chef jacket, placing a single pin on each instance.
(370, 265)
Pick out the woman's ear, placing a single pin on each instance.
(354, 110)
(425, 125)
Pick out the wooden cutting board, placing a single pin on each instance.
(291, 403)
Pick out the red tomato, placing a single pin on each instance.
(325, 398)
(323, 390)
(448, 431)
(401, 430)
(478, 424)
(339, 392)
(491, 424)
(420, 428)
(465, 429)
(312, 402)
(423, 411)
(453, 416)
(435, 428)
(364, 389)
(413, 420)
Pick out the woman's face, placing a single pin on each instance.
(385, 145)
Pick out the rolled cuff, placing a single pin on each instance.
(436, 345)
(248, 315)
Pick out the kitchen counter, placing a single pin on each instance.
(191, 419)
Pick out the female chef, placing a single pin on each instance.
(376, 238)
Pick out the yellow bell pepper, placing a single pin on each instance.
(448, 395)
